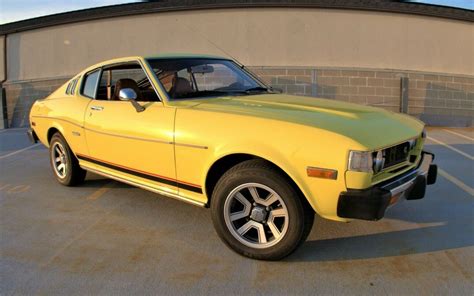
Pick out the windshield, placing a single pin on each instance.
(187, 78)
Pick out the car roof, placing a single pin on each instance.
(159, 56)
(184, 56)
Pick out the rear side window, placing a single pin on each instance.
(89, 87)
(68, 89)
(71, 88)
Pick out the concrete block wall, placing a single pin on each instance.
(20, 96)
(442, 99)
(437, 99)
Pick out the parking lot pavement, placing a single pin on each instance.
(105, 237)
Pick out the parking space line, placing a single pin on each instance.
(101, 191)
(458, 134)
(70, 243)
(13, 129)
(75, 238)
(452, 148)
(18, 151)
(456, 181)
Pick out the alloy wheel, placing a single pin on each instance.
(59, 159)
(256, 215)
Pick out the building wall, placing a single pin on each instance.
(436, 99)
(3, 107)
(345, 55)
(258, 37)
(2, 58)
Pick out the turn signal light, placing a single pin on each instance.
(321, 173)
(394, 199)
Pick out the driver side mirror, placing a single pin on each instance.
(128, 94)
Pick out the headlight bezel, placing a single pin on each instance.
(360, 161)
(366, 161)
(374, 161)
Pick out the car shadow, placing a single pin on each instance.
(443, 220)
(388, 244)
(96, 181)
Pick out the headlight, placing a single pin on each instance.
(368, 162)
(360, 161)
(379, 161)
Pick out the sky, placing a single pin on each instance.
(15, 10)
(467, 4)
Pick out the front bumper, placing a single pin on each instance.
(371, 203)
(32, 136)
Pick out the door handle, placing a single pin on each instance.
(97, 108)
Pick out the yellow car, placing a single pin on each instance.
(205, 130)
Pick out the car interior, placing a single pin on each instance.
(118, 77)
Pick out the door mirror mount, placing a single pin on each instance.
(128, 94)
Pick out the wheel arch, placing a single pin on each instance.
(55, 128)
(51, 132)
(223, 164)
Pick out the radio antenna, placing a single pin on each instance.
(242, 66)
(213, 44)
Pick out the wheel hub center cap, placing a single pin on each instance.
(258, 214)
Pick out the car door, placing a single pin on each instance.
(134, 146)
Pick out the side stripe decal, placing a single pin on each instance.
(145, 175)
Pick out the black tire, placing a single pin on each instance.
(72, 174)
(259, 172)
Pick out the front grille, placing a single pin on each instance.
(396, 154)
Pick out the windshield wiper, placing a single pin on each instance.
(205, 93)
(256, 89)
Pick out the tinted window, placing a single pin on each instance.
(193, 78)
(90, 84)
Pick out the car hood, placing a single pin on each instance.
(369, 126)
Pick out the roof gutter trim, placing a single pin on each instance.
(170, 6)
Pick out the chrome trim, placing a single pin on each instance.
(127, 137)
(395, 144)
(378, 162)
(422, 170)
(146, 187)
(402, 187)
(151, 81)
(56, 118)
(191, 145)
